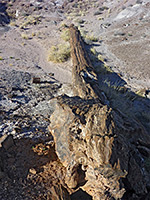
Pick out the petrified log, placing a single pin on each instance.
(98, 146)
(84, 80)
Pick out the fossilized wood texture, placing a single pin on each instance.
(84, 79)
(100, 148)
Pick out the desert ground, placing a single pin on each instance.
(117, 37)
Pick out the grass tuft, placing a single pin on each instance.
(24, 36)
(100, 57)
(31, 20)
(60, 53)
(65, 35)
(93, 51)
(33, 34)
(90, 38)
(12, 23)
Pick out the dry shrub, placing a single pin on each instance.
(24, 36)
(65, 35)
(31, 20)
(59, 53)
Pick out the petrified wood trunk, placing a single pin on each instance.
(84, 80)
(100, 148)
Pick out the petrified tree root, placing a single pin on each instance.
(97, 145)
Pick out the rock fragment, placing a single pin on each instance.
(6, 141)
(32, 171)
(36, 80)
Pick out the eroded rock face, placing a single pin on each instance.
(98, 148)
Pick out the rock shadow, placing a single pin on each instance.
(119, 95)
(80, 194)
(4, 17)
(29, 170)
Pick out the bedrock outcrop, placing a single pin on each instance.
(104, 152)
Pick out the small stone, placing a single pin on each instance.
(98, 13)
(51, 74)
(119, 34)
(32, 171)
(6, 141)
(36, 80)
(13, 132)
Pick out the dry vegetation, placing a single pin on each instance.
(65, 35)
(30, 20)
(24, 36)
(60, 53)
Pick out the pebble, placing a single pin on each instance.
(32, 171)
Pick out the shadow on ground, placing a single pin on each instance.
(30, 169)
(4, 17)
(120, 96)
(80, 194)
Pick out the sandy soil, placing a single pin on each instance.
(31, 55)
